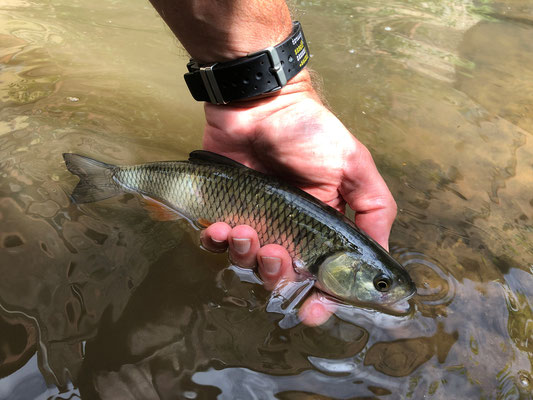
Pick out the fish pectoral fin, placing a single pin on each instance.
(159, 211)
(286, 297)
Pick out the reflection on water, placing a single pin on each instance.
(98, 301)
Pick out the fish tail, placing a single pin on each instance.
(96, 179)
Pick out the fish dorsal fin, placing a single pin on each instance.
(203, 156)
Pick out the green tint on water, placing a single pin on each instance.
(98, 301)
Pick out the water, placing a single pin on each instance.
(98, 301)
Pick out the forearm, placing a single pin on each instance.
(221, 30)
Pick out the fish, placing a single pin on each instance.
(325, 246)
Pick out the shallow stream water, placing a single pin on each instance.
(100, 302)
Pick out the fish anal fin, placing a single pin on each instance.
(159, 211)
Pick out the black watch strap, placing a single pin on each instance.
(262, 72)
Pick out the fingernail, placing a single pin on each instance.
(271, 265)
(242, 246)
(217, 241)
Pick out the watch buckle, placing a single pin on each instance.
(275, 63)
(211, 85)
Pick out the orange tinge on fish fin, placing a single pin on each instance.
(159, 211)
(203, 222)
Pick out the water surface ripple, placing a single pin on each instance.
(99, 302)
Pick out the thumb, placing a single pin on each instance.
(367, 194)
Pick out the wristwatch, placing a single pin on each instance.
(261, 72)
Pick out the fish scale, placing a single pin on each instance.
(233, 195)
(209, 188)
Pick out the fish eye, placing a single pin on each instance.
(382, 283)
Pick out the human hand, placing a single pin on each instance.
(293, 136)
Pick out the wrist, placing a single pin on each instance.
(223, 30)
(238, 40)
(298, 90)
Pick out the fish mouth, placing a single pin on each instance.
(402, 306)
(398, 308)
(410, 295)
(388, 300)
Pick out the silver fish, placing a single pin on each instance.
(323, 243)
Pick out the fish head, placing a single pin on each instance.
(351, 278)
